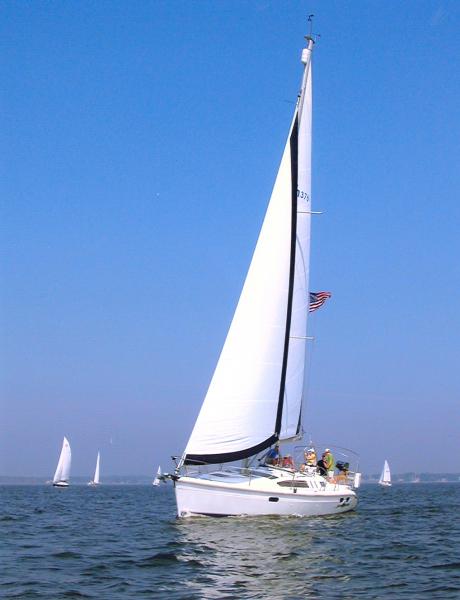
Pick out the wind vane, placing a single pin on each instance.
(311, 35)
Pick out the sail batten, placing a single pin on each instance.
(255, 394)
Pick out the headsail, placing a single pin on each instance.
(255, 394)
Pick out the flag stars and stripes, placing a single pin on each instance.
(317, 299)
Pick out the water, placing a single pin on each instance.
(124, 542)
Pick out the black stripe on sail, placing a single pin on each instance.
(214, 459)
(299, 422)
(293, 142)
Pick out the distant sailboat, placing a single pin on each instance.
(62, 474)
(385, 477)
(157, 479)
(96, 481)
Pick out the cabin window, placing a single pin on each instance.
(294, 484)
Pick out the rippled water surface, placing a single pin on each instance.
(125, 542)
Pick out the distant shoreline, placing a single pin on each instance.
(405, 478)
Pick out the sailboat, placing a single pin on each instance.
(157, 479)
(61, 476)
(96, 481)
(385, 477)
(254, 399)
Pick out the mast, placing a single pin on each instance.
(292, 383)
(306, 59)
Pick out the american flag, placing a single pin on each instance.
(317, 299)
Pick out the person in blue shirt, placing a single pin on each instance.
(273, 456)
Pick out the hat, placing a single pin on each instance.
(311, 449)
(326, 450)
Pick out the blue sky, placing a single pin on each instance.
(139, 147)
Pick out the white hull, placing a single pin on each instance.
(206, 495)
(385, 483)
(93, 483)
(61, 484)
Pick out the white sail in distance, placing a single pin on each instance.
(255, 394)
(385, 477)
(96, 472)
(156, 481)
(63, 467)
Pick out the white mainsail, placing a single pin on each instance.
(255, 394)
(96, 472)
(63, 467)
(385, 477)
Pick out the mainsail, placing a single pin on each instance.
(293, 390)
(255, 394)
(63, 467)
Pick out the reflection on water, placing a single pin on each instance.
(125, 542)
(266, 557)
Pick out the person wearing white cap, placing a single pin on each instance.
(310, 457)
(329, 462)
(309, 465)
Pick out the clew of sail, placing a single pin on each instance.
(255, 394)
